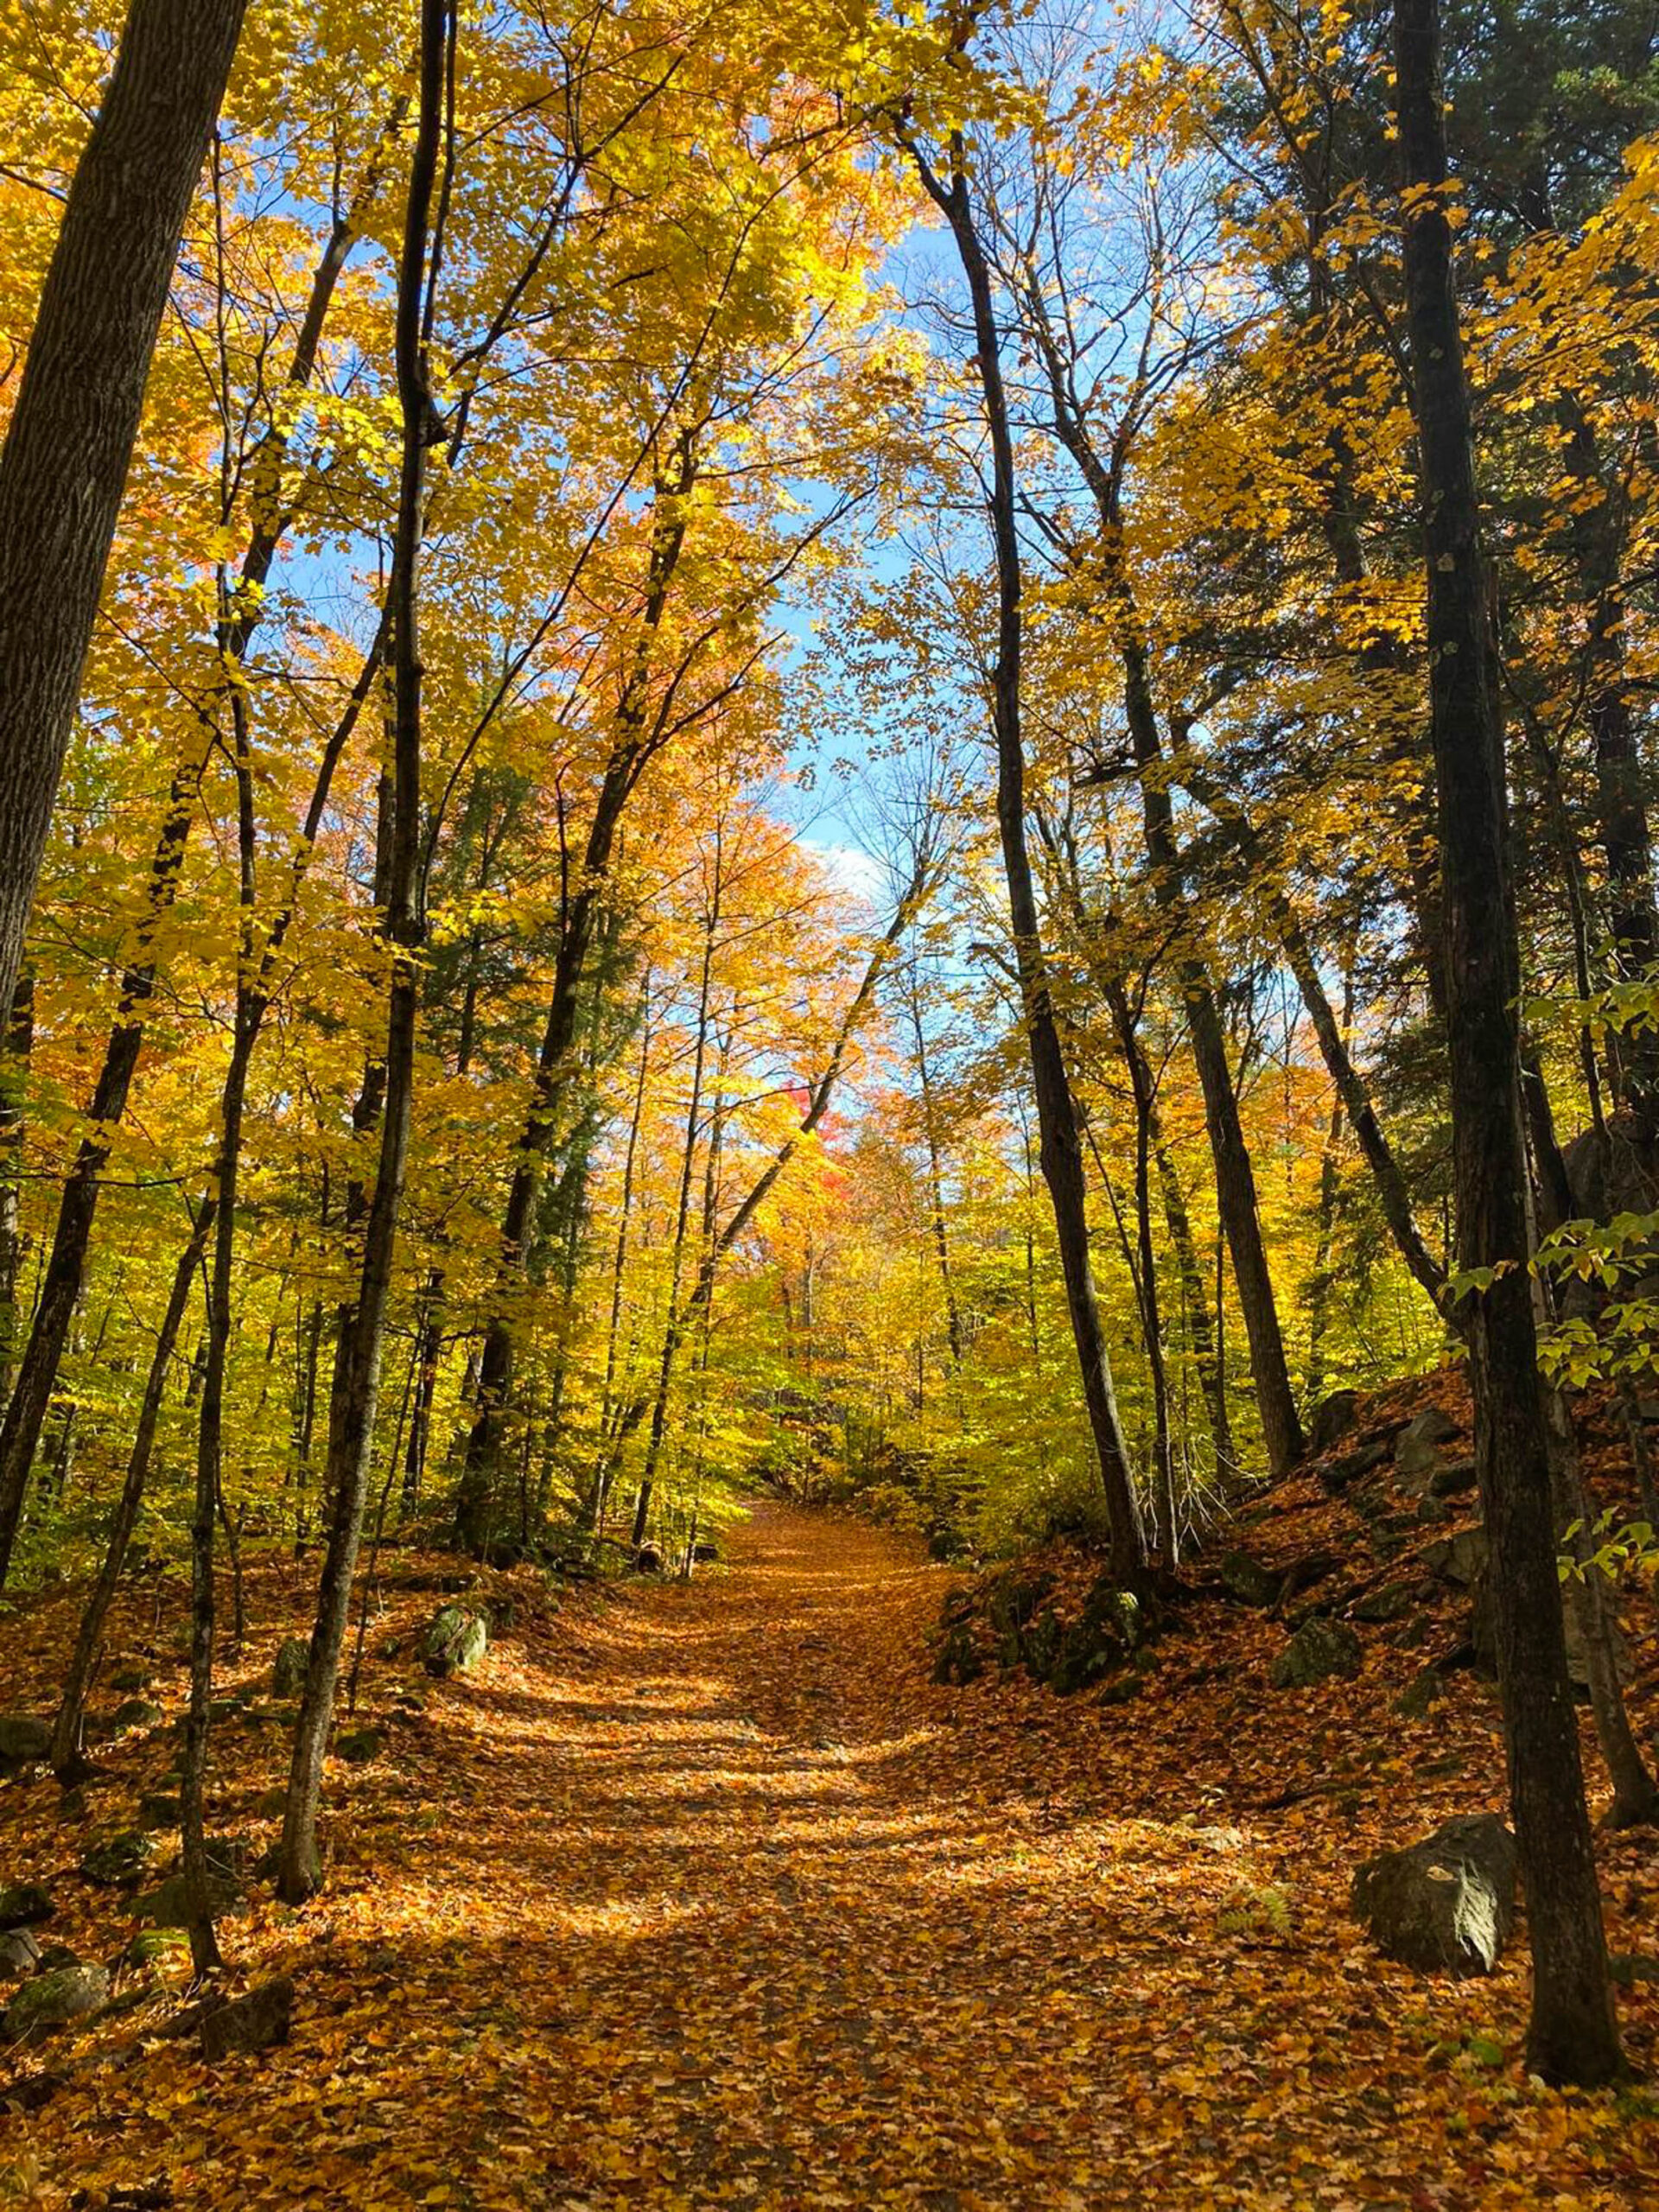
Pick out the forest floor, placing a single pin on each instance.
(705, 1894)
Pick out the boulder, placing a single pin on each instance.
(1247, 1581)
(252, 2022)
(648, 1559)
(137, 1713)
(1304, 1574)
(24, 1741)
(1013, 1598)
(1417, 1454)
(119, 1859)
(288, 1669)
(359, 1746)
(25, 1904)
(1454, 1479)
(19, 1955)
(1392, 1602)
(52, 2000)
(705, 1553)
(1444, 1905)
(1330, 1421)
(158, 1808)
(165, 1906)
(129, 1679)
(1422, 1694)
(1458, 1559)
(456, 1639)
(1320, 1651)
(959, 1660)
(1338, 1475)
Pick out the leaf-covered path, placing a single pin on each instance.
(709, 1896)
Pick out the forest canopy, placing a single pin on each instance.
(901, 752)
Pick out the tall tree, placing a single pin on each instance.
(1573, 2035)
(64, 465)
(1060, 1144)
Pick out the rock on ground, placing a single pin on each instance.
(1446, 1904)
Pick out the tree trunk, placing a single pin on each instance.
(15, 1054)
(633, 749)
(299, 1872)
(1059, 1145)
(64, 463)
(1573, 2035)
(66, 1268)
(66, 1733)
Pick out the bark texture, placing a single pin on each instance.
(1572, 2035)
(64, 463)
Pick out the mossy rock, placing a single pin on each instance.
(165, 1906)
(1014, 1598)
(25, 1904)
(52, 2000)
(1321, 1650)
(119, 1859)
(959, 1659)
(153, 1948)
(1247, 1581)
(157, 1809)
(456, 1641)
(129, 1679)
(137, 1713)
(359, 1746)
(25, 1740)
(1420, 1695)
(1391, 1603)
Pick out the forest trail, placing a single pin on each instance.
(705, 1894)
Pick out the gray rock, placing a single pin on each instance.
(1417, 1456)
(1444, 1905)
(1454, 1478)
(137, 1713)
(1304, 1574)
(288, 1669)
(252, 2022)
(1247, 1581)
(19, 1955)
(1390, 1602)
(1330, 1421)
(119, 1859)
(25, 1904)
(165, 1906)
(1422, 1694)
(1458, 1559)
(1320, 1650)
(1337, 1476)
(52, 2000)
(24, 1741)
(456, 1639)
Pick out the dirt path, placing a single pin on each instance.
(709, 1896)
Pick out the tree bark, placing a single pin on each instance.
(66, 1268)
(1060, 1144)
(299, 1872)
(1572, 2035)
(64, 465)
